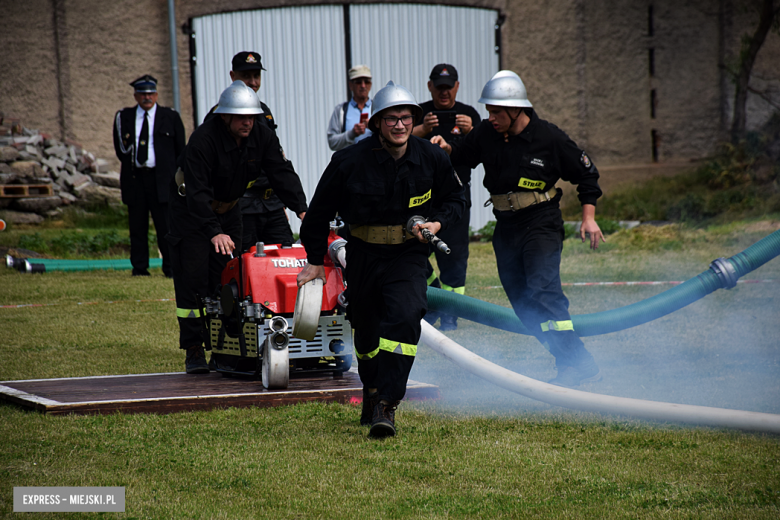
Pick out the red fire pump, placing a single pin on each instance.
(248, 323)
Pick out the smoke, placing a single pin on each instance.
(721, 351)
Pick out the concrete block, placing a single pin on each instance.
(30, 169)
(68, 198)
(16, 217)
(64, 180)
(77, 180)
(35, 140)
(78, 189)
(37, 204)
(56, 162)
(110, 179)
(93, 194)
(58, 150)
(8, 154)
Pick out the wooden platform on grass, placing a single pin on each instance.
(179, 392)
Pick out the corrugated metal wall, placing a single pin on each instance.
(303, 50)
(403, 42)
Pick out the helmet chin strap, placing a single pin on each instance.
(512, 119)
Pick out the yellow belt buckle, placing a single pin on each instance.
(268, 193)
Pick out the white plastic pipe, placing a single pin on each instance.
(568, 398)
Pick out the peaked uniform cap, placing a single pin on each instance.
(145, 83)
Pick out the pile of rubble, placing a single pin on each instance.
(39, 175)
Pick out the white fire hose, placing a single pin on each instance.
(568, 398)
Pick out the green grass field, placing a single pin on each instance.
(478, 452)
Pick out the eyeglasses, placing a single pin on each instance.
(391, 121)
(359, 81)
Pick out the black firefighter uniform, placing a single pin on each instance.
(528, 240)
(386, 267)
(217, 172)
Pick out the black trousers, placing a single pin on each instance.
(138, 223)
(528, 255)
(387, 300)
(271, 227)
(197, 271)
(452, 267)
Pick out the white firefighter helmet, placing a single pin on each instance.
(238, 99)
(393, 95)
(505, 89)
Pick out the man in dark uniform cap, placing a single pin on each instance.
(457, 120)
(223, 155)
(376, 186)
(148, 139)
(263, 214)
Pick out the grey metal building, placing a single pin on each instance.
(632, 81)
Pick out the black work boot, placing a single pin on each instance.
(586, 371)
(431, 317)
(369, 403)
(195, 362)
(448, 322)
(383, 422)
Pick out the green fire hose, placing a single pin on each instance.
(723, 273)
(42, 265)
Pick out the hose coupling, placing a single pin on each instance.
(277, 324)
(338, 253)
(278, 340)
(29, 267)
(725, 271)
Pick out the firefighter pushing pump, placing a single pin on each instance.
(376, 186)
(223, 156)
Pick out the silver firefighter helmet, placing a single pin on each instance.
(505, 89)
(393, 95)
(238, 99)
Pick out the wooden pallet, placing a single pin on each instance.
(25, 190)
(180, 392)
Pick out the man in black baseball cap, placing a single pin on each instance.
(453, 120)
(444, 85)
(444, 74)
(247, 67)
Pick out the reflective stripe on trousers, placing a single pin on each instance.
(393, 347)
(190, 313)
(552, 325)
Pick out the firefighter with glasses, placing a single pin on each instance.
(376, 186)
(224, 155)
(524, 156)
